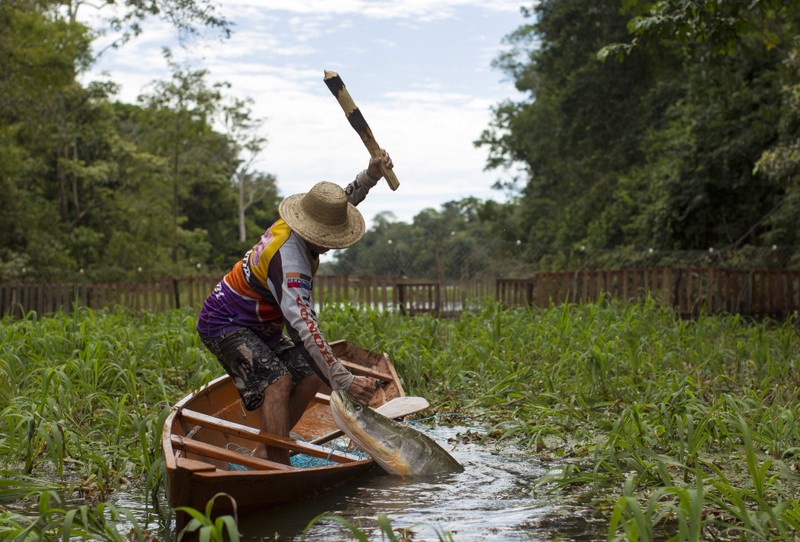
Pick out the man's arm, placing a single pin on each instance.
(358, 189)
(290, 275)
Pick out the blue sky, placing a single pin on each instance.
(420, 71)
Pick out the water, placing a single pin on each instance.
(493, 499)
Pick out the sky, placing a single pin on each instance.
(419, 70)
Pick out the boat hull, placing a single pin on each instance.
(208, 435)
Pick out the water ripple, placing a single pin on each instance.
(491, 500)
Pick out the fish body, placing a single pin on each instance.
(397, 448)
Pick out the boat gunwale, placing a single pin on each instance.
(173, 454)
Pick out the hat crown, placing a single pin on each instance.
(323, 216)
(327, 203)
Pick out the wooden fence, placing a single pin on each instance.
(155, 295)
(408, 296)
(760, 293)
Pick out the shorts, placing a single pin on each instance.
(252, 365)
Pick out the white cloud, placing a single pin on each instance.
(424, 10)
(425, 87)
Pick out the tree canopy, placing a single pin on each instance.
(667, 127)
(661, 125)
(650, 133)
(95, 185)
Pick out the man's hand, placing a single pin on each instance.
(362, 388)
(374, 167)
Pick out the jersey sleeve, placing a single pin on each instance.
(290, 277)
(358, 189)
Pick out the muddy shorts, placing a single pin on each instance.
(253, 365)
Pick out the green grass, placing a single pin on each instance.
(665, 428)
(675, 428)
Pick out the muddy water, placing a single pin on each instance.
(492, 499)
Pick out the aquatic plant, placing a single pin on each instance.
(660, 425)
(204, 526)
(677, 427)
(87, 394)
(54, 520)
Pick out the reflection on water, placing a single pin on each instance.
(491, 500)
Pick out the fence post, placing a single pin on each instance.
(401, 296)
(177, 291)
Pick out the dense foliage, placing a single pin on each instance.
(666, 124)
(95, 184)
(648, 133)
(646, 423)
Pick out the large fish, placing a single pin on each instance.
(397, 448)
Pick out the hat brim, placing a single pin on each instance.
(322, 235)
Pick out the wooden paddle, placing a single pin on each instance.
(399, 407)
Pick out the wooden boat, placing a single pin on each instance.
(207, 436)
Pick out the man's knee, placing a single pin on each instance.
(281, 387)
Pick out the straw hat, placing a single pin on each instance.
(323, 216)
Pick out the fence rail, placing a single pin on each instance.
(409, 296)
(386, 293)
(757, 292)
(155, 295)
(760, 293)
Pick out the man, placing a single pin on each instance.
(242, 320)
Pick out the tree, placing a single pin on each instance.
(182, 110)
(125, 17)
(102, 184)
(705, 28)
(781, 164)
(251, 186)
(446, 243)
(39, 57)
(735, 57)
(582, 121)
(645, 120)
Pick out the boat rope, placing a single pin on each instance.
(305, 461)
(299, 460)
(242, 450)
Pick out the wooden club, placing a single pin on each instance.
(359, 124)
